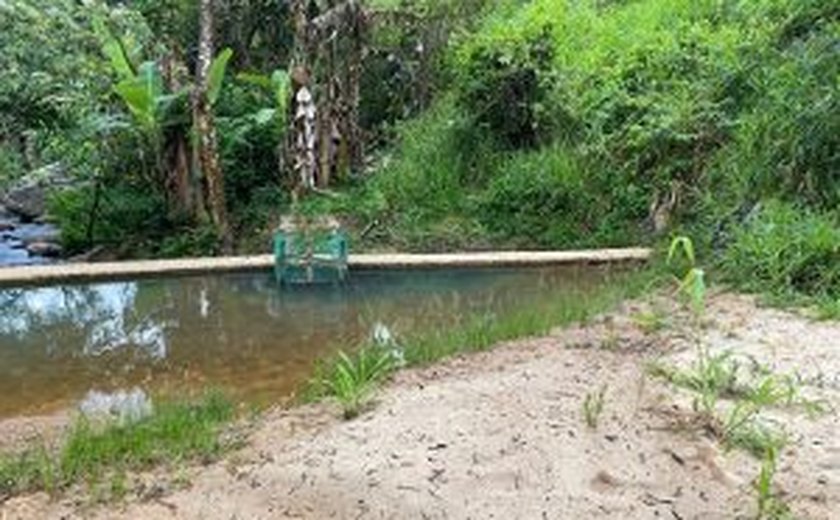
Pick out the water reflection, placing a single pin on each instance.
(237, 332)
(105, 315)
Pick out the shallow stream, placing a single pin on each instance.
(240, 332)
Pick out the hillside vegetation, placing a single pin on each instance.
(538, 124)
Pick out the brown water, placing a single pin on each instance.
(241, 333)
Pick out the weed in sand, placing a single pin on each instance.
(711, 377)
(175, 431)
(770, 506)
(651, 322)
(743, 428)
(352, 378)
(693, 282)
(593, 407)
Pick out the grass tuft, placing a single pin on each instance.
(593, 407)
(353, 377)
(176, 431)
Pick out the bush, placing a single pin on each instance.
(786, 250)
(421, 195)
(505, 89)
(124, 218)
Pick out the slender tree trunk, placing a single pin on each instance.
(302, 136)
(180, 180)
(205, 128)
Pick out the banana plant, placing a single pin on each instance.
(277, 85)
(141, 87)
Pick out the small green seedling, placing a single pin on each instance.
(770, 506)
(593, 406)
(693, 282)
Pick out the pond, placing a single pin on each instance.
(241, 333)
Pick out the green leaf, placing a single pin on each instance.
(142, 93)
(681, 243)
(113, 49)
(256, 79)
(137, 100)
(280, 82)
(264, 116)
(217, 74)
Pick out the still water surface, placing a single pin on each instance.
(240, 333)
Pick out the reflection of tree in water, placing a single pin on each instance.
(81, 320)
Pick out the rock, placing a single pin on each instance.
(6, 226)
(31, 234)
(44, 220)
(52, 174)
(28, 201)
(27, 198)
(49, 249)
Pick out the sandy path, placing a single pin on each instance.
(501, 435)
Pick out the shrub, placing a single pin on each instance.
(786, 250)
(504, 89)
(123, 215)
(550, 197)
(420, 196)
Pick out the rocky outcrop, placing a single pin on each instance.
(26, 235)
(28, 197)
(28, 202)
(47, 249)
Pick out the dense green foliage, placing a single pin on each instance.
(590, 123)
(787, 251)
(544, 123)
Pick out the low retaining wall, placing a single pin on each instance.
(89, 272)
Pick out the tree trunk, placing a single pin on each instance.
(205, 128)
(180, 182)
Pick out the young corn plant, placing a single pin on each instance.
(770, 506)
(353, 379)
(692, 284)
(593, 406)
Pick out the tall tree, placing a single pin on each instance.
(324, 138)
(206, 149)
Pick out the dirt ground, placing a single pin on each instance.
(501, 434)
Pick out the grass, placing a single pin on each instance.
(482, 331)
(828, 309)
(176, 431)
(354, 377)
(593, 407)
(710, 377)
(770, 505)
(351, 377)
(744, 428)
